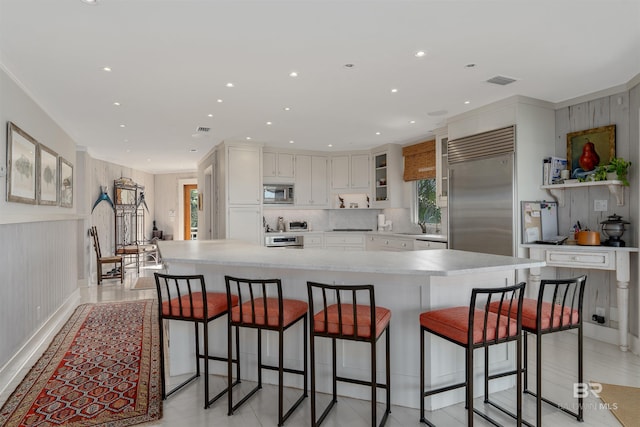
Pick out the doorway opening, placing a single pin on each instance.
(190, 211)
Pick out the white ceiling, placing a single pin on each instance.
(171, 60)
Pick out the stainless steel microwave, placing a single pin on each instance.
(278, 194)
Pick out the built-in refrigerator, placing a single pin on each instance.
(482, 192)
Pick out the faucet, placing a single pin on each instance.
(423, 227)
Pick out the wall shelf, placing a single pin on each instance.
(557, 190)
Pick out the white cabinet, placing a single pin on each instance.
(350, 172)
(442, 169)
(245, 223)
(389, 243)
(311, 187)
(425, 244)
(313, 240)
(278, 166)
(344, 241)
(244, 175)
(387, 173)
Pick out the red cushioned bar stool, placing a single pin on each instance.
(261, 306)
(185, 298)
(342, 317)
(475, 327)
(537, 318)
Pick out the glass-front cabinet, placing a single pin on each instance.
(380, 162)
(442, 169)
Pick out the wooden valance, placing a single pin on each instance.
(420, 161)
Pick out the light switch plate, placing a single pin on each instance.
(600, 205)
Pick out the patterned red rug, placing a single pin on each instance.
(102, 368)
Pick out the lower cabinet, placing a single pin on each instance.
(344, 241)
(389, 243)
(313, 240)
(425, 244)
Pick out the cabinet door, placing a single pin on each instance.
(245, 223)
(244, 175)
(442, 171)
(269, 166)
(303, 180)
(319, 184)
(340, 172)
(360, 171)
(285, 168)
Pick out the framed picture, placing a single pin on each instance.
(66, 183)
(48, 176)
(588, 149)
(22, 152)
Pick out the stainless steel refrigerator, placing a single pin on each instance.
(482, 193)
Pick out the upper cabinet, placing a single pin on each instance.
(278, 166)
(442, 168)
(387, 173)
(350, 172)
(244, 183)
(311, 187)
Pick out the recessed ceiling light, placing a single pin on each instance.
(467, 102)
(470, 65)
(420, 54)
(330, 145)
(209, 115)
(269, 123)
(287, 108)
(411, 122)
(394, 90)
(248, 138)
(291, 142)
(349, 65)
(219, 101)
(293, 74)
(117, 104)
(91, 2)
(107, 69)
(230, 85)
(123, 125)
(377, 133)
(194, 150)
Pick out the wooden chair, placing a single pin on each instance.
(560, 300)
(472, 327)
(355, 319)
(115, 260)
(185, 298)
(261, 306)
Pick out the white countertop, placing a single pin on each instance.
(438, 262)
(581, 248)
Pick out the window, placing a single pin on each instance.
(427, 210)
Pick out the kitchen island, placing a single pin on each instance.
(407, 283)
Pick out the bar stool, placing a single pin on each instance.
(474, 327)
(261, 306)
(347, 320)
(185, 298)
(566, 313)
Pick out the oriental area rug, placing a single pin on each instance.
(102, 369)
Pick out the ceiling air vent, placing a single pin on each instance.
(203, 129)
(501, 80)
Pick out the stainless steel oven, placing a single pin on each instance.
(286, 242)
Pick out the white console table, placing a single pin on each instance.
(590, 257)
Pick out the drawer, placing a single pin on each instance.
(425, 244)
(313, 241)
(600, 260)
(344, 239)
(400, 244)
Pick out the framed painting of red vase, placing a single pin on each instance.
(588, 149)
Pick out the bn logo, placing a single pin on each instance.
(583, 389)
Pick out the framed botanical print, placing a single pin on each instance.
(22, 152)
(48, 177)
(66, 183)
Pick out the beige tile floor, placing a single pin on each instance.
(603, 362)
